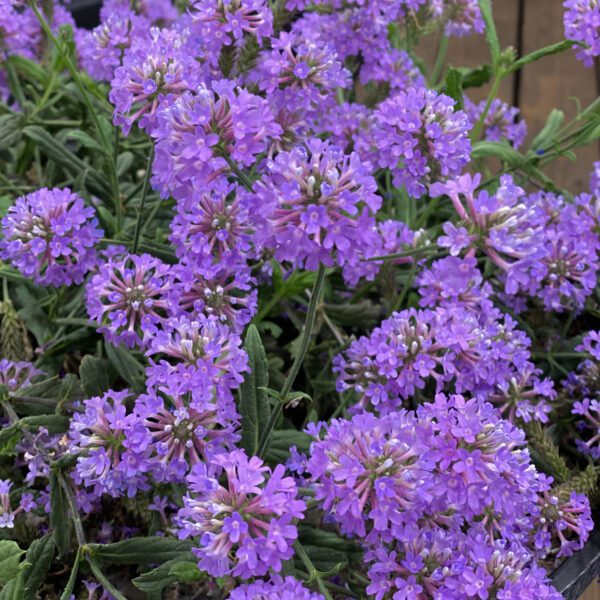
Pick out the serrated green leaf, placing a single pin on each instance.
(94, 376)
(14, 589)
(281, 442)
(59, 515)
(142, 550)
(53, 423)
(453, 87)
(125, 365)
(186, 571)
(156, 580)
(10, 557)
(327, 550)
(254, 403)
(477, 77)
(39, 556)
(541, 53)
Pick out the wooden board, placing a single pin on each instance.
(551, 83)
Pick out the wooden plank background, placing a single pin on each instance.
(553, 82)
(528, 25)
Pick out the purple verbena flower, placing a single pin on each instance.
(322, 205)
(582, 24)
(111, 446)
(244, 521)
(128, 298)
(421, 138)
(275, 587)
(51, 236)
(501, 122)
(17, 375)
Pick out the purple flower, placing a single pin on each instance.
(156, 69)
(198, 131)
(229, 294)
(589, 427)
(224, 225)
(7, 514)
(184, 430)
(17, 375)
(243, 520)
(591, 344)
(101, 50)
(111, 446)
(564, 521)
(128, 298)
(501, 122)
(461, 17)
(322, 202)
(474, 350)
(156, 11)
(197, 355)
(369, 472)
(421, 138)
(582, 24)
(274, 588)
(51, 236)
(225, 23)
(309, 72)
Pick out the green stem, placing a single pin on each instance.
(140, 219)
(439, 61)
(477, 130)
(101, 577)
(112, 167)
(304, 343)
(241, 176)
(406, 288)
(66, 486)
(311, 570)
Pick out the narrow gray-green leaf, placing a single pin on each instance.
(125, 365)
(142, 550)
(546, 136)
(254, 401)
(491, 35)
(59, 515)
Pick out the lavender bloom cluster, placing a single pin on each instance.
(294, 142)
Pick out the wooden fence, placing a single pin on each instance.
(553, 82)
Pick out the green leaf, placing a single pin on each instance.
(31, 69)
(491, 35)
(59, 153)
(94, 376)
(477, 77)
(86, 140)
(124, 163)
(10, 557)
(14, 589)
(126, 365)
(156, 580)
(68, 591)
(142, 550)
(501, 150)
(546, 136)
(39, 556)
(541, 53)
(254, 402)
(59, 515)
(295, 284)
(281, 442)
(454, 87)
(186, 571)
(325, 549)
(53, 423)
(32, 314)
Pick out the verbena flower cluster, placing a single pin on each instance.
(262, 148)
